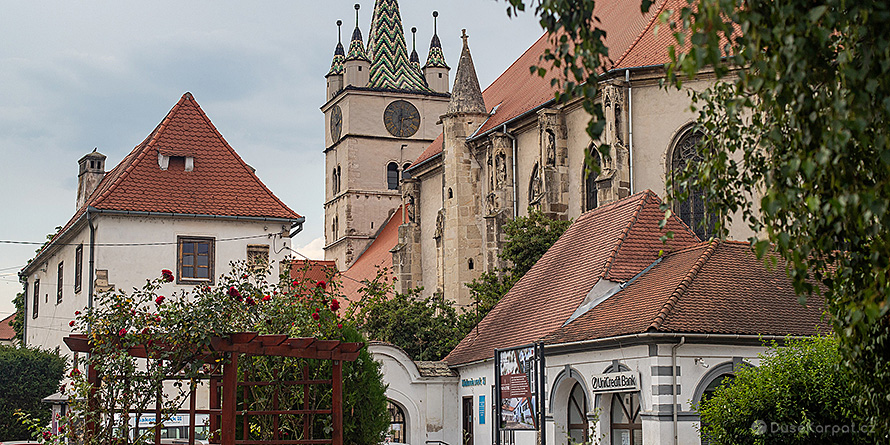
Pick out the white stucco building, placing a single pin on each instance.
(182, 200)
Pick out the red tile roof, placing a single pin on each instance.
(376, 257)
(7, 333)
(221, 183)
(629, 37)
(714, 287)
(312, 270)
(615, 242)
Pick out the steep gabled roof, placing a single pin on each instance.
(377, 256)
(613, 242)
(713, 287)
(221, 183)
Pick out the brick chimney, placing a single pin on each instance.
(92, 170)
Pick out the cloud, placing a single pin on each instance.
(314, 249)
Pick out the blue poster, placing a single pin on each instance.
(482, 410)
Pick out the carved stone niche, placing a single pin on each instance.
(411, 200)
(551, 124)
(613, 101)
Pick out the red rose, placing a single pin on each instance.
(122, 332)
(315, 315)
(158, 300)
(167, 275)
(267, 298)
(234, 293)
(339, 326)
(206, 288)
(335, 305)
(158, 319)
(74, 372)
(76, 312)
(71, 323)
(47, 435)
(250, 301)
(321, 284)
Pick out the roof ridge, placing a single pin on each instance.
(140, 150)
(683, 285)
(640, 35)
(244, 165)
(636, 214)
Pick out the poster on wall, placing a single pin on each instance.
(518, 377)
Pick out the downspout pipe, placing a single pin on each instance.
(92, 259)
(515, 167)
(630, 128)
(674, 387)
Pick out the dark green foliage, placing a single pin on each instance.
(18, 323)
(365, 417)
(26, 377)
(802, 386)
(426, 328)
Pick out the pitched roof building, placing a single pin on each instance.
(182, 199)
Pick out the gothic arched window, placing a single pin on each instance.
(392, 176)
(627, 426)
(591, 198)
(693, 210)
(577, 415)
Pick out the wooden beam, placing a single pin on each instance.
(229, 399)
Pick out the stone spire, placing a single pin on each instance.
(356, 46)
(337, 63)
(390, 64)
(466, 96)
(436, 58)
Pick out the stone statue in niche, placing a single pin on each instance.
(492, 181)
(535, 186)
(500, 162)
(551, 148)
(440, 224)
(491, 202)
(409, 208)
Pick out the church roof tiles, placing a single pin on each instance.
(390, 64)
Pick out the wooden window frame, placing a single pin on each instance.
(36, 306)
(59, 281)
(211, 260)
(78, 269)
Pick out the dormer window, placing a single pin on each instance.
(176, 163)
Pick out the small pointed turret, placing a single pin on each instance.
(390, 65)
(335, 75)
(357, 64)
(436, 70)
(414, 59)
(466, 96)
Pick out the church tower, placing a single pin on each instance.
(462, 240)
(380, 114)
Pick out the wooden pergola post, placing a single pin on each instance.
(337, 401)
(229, 399)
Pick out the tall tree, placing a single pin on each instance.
(28, 375)
(798, 119)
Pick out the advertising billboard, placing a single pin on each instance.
(518, 377)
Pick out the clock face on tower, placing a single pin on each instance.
(336, 123)
(401, 119)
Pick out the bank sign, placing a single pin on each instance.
(615, 382)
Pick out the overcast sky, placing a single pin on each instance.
(79, 75)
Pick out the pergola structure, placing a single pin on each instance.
(223, 407)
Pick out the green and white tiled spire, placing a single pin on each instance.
(337, 63)
(436, 58)
(390, 65)
(356, 46)
(414, 59)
